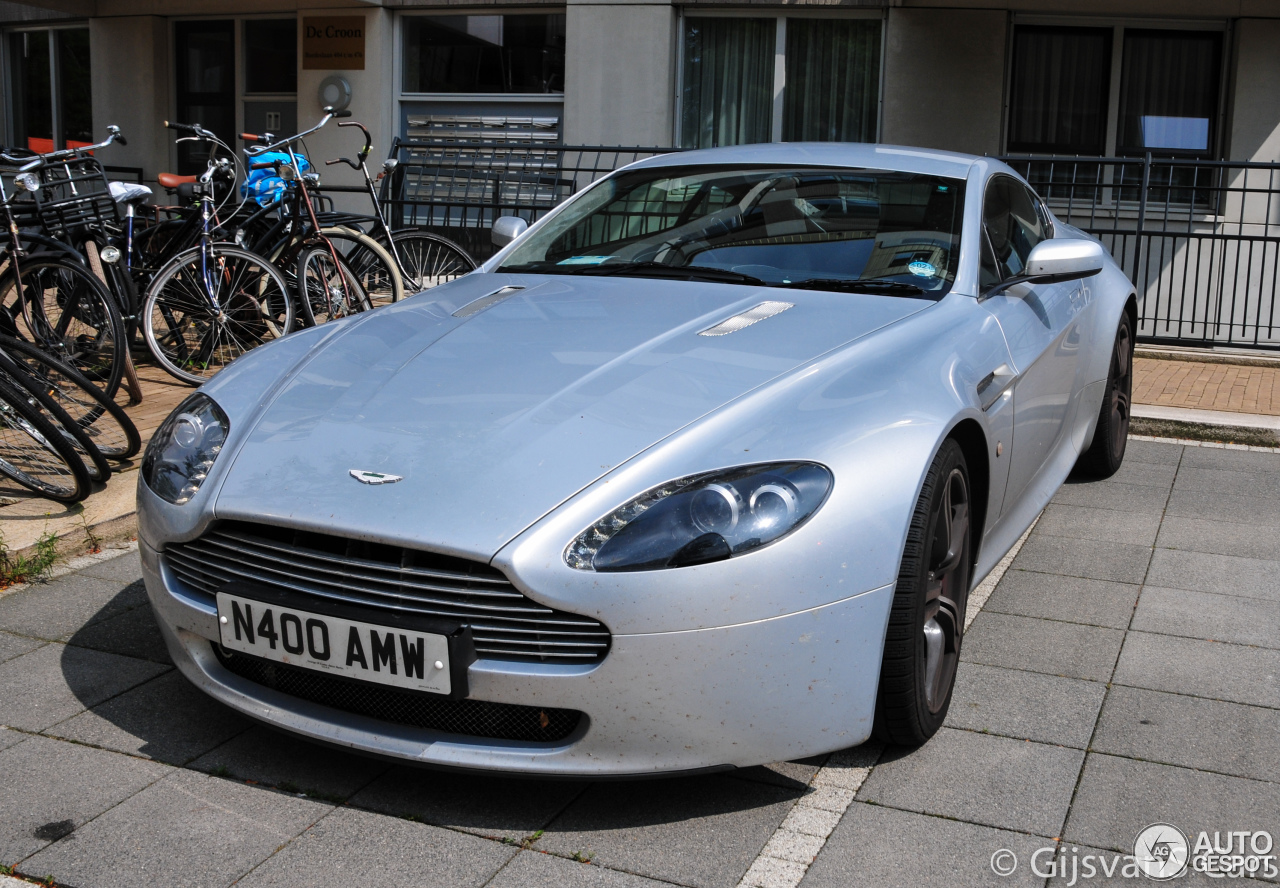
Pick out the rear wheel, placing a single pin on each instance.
(926, 624)
(429, 259)
(329, 290)
(1106, 453)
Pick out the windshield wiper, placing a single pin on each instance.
(853, 285)
(661, 269)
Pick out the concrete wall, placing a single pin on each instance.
(372, 102)
(619, 73)
(944, 79)
(131, 87)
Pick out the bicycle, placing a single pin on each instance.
(35, 453)
(213, 302)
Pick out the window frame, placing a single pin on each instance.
(779, 56)
(8, 123)
(1118, 26)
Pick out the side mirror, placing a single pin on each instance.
(506, 229)
(1056, 261)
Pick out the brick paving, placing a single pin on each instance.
(1123, 673)
(1203, 386)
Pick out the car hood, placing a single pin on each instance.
(493, 419)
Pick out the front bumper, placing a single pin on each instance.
(739, 695)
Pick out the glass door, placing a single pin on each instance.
(204, 54)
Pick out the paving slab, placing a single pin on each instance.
(1092, 559)
(56, 681)
(359, 849)
(1135, 470)
(166, 719)
(1228, 574)
(123, 568)
(1205, 615)
(1070, 599)
(133, 633)
(49, 788)
(1121, 497)
(703, 832)
(275, 758)
(1229, 481)
(980, 778)
(1156, 452)
(1208, 735)
(1248, 461)
(498, 807)
(10, 737)
(884, 848)
(1118, 797)
(1080, 865)
(16, 645)
(1104, 525)
(1224, 507)
(1212, 669)
(531, 869)
(57, 609)
(792, 775)
(188, 829)
(1219, 537)
(1025, 705)
(1050, 646)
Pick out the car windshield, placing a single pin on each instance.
(851, 230)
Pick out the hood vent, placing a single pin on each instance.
(478, 305)
(747, 318)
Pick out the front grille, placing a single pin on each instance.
(471, 718)
(505, 624)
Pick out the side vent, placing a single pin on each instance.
(478, 305)
(747, 318)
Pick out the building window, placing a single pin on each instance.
(1062, 100)
(271, 56)
(794, 79)
(51, 88)
(484, 54)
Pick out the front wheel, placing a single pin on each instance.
(328, 290)
(211, 304)
(926, 624)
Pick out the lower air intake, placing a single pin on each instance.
(470, 718)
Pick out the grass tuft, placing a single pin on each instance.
(21, 568)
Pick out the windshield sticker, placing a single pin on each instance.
(584, 260)
(922, 269)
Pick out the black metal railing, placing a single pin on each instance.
(1199, 239)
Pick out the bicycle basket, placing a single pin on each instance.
(74, 196)
(264, 186)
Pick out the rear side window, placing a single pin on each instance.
(1012, 223)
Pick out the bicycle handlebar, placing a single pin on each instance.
(27, 163)
(329, 114)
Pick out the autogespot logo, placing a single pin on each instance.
(1161, 852)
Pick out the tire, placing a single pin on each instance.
(70, 315)
(427, 260)
(926, 623)
(191, 340)
(37, 455)
(22, 384)
(328, 291)
(373, 266)
(1111, 435)
(102, 419)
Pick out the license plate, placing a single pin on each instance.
(388, 655)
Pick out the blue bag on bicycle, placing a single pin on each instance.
(264, 186)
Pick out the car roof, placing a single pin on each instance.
(926, 161)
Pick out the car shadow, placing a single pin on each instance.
(153, 711)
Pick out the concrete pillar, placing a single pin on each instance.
(944, 79)
(129, 57)
(373, 103)
(1255, 114)
(620, 73)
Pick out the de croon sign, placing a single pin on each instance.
(333, 42)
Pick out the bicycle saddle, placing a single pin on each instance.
(173, 180)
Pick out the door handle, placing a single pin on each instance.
(994, 384)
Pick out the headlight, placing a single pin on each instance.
(27, 181)
(703, 518)
(183, 450)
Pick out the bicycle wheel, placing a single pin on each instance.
(328, 291)
(369, 260)
(211, 304)
(102, 419)
(67, 313)
(429, 259)
(13, 375)
(35, 454)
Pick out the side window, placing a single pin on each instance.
(1013, 225)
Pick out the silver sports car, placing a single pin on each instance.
(696, 472)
